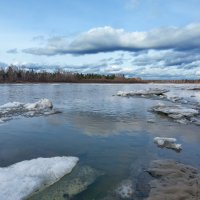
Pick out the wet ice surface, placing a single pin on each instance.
(112, 135)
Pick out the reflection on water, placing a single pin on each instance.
(108, 133)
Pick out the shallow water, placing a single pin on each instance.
(111, 134)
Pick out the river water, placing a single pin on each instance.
(111, 134)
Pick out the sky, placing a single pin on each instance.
(151, 39)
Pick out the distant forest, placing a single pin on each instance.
(13, 74)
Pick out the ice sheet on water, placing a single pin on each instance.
(183, 93)
(177, 112)
(147, 92)
(22, 179)
(11, 109)
(186, 94)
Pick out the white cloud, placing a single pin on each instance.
(108, 39)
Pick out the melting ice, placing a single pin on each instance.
(21, 179)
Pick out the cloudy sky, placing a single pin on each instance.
(145, 38)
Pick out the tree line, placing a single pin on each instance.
(13, 74)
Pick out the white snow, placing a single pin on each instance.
(22, 179)
(147, 92)
(167, 142)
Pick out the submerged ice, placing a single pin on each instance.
(41, 107)
(22, 179)
(71, 185)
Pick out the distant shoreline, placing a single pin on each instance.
(109, 82)
(15, 75)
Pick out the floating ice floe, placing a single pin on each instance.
(172, 94)
(41, 107)
(169, 143)
(24, 178)
(173, 180)
(143, 93)
(179, 113)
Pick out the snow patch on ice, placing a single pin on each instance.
(169, 143)
(22, 179)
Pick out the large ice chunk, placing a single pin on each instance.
(148, 92)
(176, 111)
(41, 107)
(169, 143)
(21, 179)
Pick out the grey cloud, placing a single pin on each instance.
(13, 51)
(165, 58)
(108, 39)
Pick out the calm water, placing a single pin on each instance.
(109, 133)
